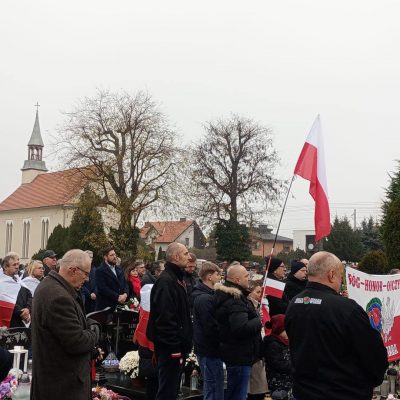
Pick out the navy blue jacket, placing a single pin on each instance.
(109, 286)
(205, 326)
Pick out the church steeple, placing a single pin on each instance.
(34, 165)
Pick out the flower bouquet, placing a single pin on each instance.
(8, 386)
(131, 304)
(101, 393)
(191, 368)
(129, 363)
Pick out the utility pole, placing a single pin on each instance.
(354, 215)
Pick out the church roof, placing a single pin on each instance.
(36, 137)
(46, 190)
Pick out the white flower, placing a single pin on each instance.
(130, 363)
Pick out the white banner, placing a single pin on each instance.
(379, 296)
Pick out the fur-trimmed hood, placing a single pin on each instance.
(231, 288)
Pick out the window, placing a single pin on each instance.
(187, 242)
(25, 238)
(45, 233)
(286, 248)
(9, 229)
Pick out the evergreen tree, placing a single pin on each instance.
(59, 240)
(390, 228)
(232, 241)
(370, 235)
(161, 254)
(374, 262)
(86, 231)
(343, 241)
(125, 241)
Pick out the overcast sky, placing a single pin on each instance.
(279, 62)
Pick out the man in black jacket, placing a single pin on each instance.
(205, 332)
(239, 330)
(336, 354)
(170, 325)
(277, 272)
(297, 279)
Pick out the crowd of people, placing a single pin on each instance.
(304, 343)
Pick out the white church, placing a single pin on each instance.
(42, 201)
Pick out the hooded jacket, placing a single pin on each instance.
(205, 326)
(170, 326)
(239, 325)
(336, 354)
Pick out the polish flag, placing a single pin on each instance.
(274, 288)
(9, 290)
(144, 314)
(311, 166)
(265, 316)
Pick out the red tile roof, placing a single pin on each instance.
(49, 189)
(168, 230)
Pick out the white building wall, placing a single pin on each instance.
(187, 237)
(299, 238)
(56, 215)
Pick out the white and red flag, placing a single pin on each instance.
(9, 290)
(140, 333)
(274, 288)
(311, 166)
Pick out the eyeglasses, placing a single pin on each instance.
(85, 272)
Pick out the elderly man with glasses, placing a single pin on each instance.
(63, 340)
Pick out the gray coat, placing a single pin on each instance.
(62, 343)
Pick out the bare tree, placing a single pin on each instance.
(233, 170)
(125, 145)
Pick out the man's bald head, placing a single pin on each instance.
(178, 254)
(238, 274)
(325, 268)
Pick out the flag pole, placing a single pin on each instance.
(275, 239)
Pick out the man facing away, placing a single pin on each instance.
(336, 354)
(170, 325)
(205, 332)
(62, 339)
(239, 330)
(112, 289)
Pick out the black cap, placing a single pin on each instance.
(275, 263)
(296, 266)
(49, 253)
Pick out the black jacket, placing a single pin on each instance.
(336, 354)
(205, 326)
(294, 286)
(24, 300)
(278, 365)
(170, 326)
(239, 325)
(109, 286)
(276, 305)
(148, 279)
(191, 280)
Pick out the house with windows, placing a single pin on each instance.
(262, 240)
(42, 201)
(159, 234)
